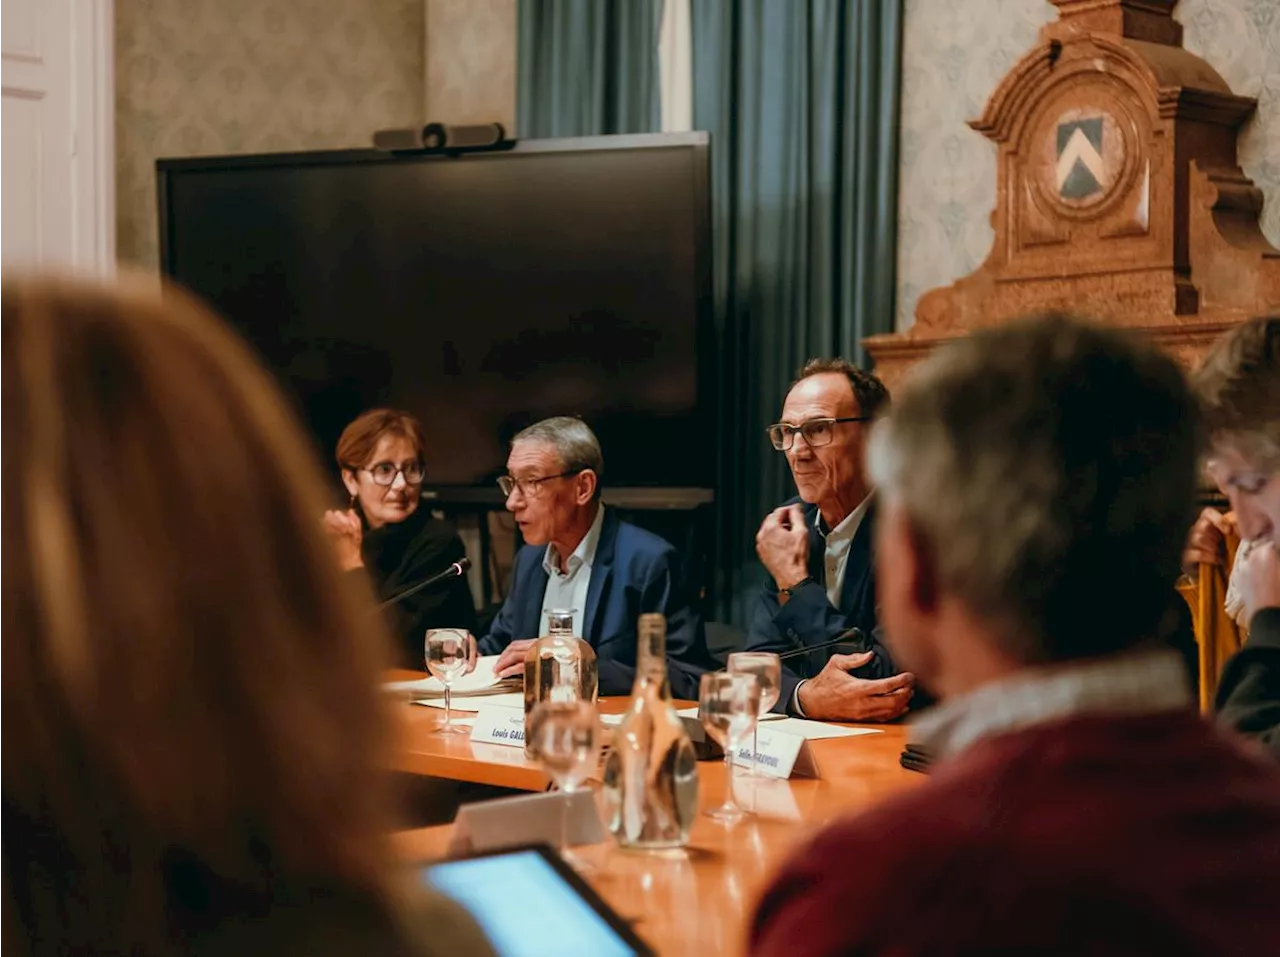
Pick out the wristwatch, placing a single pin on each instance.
(791, 589)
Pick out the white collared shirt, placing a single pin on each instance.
(838, 542)
(569, 590)
(1145, 682)
(835, 560)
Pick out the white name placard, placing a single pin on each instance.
(499, 726)
(527, 819)
(778, 754)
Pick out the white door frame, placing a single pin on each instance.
(69, 64)
(95, 158)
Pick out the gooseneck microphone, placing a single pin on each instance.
(456, 570)
(853, 634)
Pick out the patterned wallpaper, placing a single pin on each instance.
(200, 77)
(954, 54)
(232, 76)
(471, 61)
(1241, 40)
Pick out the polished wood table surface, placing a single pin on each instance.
(696, 901)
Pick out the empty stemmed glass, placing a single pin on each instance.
(564, 736)
(729, 706)
(767, 667)
(448, 652)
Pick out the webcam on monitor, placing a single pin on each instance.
(444, 138)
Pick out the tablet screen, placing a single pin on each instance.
(526, 908)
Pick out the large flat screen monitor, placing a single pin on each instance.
(481, 292)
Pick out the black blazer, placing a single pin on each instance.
(809, 618)
(398, 556)
(1249, 689)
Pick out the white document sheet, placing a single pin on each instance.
(814, 730)
(479, 680)
(511, 699)
(800, 727)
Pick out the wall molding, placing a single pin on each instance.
(93, 62)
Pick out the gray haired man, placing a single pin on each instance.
(580, 555)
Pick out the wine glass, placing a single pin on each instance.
(564, 736)
(729, 706)
(767, 667)
(448, 654)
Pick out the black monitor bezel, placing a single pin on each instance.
(708, 392)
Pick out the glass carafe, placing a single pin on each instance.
(651, 773)
(559, 666)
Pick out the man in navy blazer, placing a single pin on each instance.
(819, 552)
(579, 555)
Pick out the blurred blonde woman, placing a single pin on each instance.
(192, 732)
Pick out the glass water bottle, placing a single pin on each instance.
(559, 666)
(651, 773)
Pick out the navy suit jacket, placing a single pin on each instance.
(634, 572)
(808, 618)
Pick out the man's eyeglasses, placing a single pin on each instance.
(384, 473)
(816, 432)
(529, 487)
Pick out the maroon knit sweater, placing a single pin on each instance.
(1098, 836)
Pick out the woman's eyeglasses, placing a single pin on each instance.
(384, 473)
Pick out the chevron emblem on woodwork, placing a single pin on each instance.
(1080, 170)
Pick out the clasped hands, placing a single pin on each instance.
(1258, 574)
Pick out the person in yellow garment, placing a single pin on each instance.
(1239, 387)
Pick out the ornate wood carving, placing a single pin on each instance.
(1118, 191)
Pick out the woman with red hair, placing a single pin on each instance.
(386, 532)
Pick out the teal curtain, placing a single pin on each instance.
(801, 100)
(587, 68)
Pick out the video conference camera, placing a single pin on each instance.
(444, 138)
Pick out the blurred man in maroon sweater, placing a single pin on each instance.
(1038, 481)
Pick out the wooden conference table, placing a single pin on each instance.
(696, 901)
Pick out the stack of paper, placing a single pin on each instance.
(481, 681)
(511, 699)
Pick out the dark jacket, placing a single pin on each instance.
(809, 618)
(634, 572)
(398, 556)
(1248, 697)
